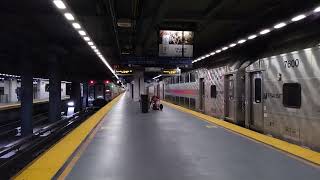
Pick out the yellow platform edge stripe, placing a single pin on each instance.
(306, 154)
(48, 163)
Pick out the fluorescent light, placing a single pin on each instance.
(213, 53)
(69, 16)
(252, 36)
(207, 56)
(93, 47)
(76, 25)
(242, 41)
(225, 48)
(59, 4)
(298, 18)
(232, 45)
(218, 51)
(280, 25)
(86, 38)
(90, 43)
(317, 9)
(83, 33)
(265, 31)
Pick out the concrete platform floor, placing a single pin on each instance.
(172, 145)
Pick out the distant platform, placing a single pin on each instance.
(7, 106)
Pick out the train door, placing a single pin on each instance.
(255, 108)
(201, 93)
(99, 91)
(229, 97)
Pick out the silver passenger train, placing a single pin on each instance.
(276, 95)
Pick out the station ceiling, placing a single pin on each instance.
(39, 27)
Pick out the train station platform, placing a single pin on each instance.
(171, 144)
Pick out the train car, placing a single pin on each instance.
(275, 95)
(281, 96)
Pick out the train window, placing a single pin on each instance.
(186, 102)
(213, 91)
(187, 78)
(192, 103)
(181, 78)
(257, 90)
(176, 79)
(181, 101)
(292, 95)
(192, 77)
(177, 100)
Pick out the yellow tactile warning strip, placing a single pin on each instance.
(49, 163)
(17, 105)
(293, 149)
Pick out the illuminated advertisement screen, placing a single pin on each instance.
(176, 43)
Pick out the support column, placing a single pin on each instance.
(54, 89)
(139, 87)
(26, 96)
(76, 95)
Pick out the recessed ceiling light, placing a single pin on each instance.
(213, 53)
(90, 43)
(280, 25)
(93, 47)
(298, 18)
(83, 33)
(86, 38)
(76, 25)
(317, 9)
(207, 56)
(252, 36)
(265, 31)
(242, 41)
(232, 45)
(59, 4)
(69, 16)
(218, 51)
(225, 48)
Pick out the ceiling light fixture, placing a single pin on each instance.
(232, 45)
(213, 53)
(90, 43)
(280, 25)
(252, 37)
(94, 47)
(86, 38)
(76, 25)
(82, 33)
(242, 41)
(298, 18)
(225, 48)
(317, 9)
(69, 16)
(265, 31)
(59, 4)
(218, 51)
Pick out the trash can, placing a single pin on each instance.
(144, 103)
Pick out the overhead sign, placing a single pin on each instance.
(124, 72)
(171, 72)
(176, 43)
(159, 61)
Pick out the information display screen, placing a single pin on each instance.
(176, 43)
